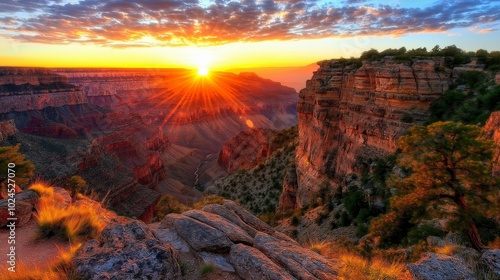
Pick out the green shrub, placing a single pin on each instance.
(207, 268)
(423, 231)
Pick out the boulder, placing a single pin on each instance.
(251, 264)
(300, 262)
(199, 236)
(24, 203)
(230, 216)
(490, 262)
(246, 216)
(63, 196)
(171, 237)
(217, 260)
(127, 251)
(235, 233)
(440, 267)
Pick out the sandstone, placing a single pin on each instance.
(24, 204)
(171, 237)
(291, 256)
(246, 150)
(490, 262)
(127, 251)
(288, 197)
(7, 128)
(246, 216)
(199, 236)
(251, 264)
(350, 115)
(440, 267)
(230, 216)
(235, 233)
(492, 128)
(217, 260)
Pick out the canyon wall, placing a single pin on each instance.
(23, 89)
(492, 128)
(350, 114)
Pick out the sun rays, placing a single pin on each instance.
(195, 95)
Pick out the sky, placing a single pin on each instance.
(224, 34)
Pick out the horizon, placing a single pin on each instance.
(227, 35)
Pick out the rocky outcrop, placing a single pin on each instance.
(492, 128)
(246, 150)
(490, 262)
(23, 89)
(349, 115)
(127, 251)
(440, 267)
(288, 197)
(7, 128)
(240, 243)
(23, 205)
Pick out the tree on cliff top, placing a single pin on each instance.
(450, 177)
(23, 168)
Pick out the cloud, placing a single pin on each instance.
(121, 23)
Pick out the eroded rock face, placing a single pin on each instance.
(348, 115)
(246, 150)
(253, 264)
(492, 128)
(440, 267)
(127, 251)
(24, 204)
(237, 242)
(7, 128)
(490, 262)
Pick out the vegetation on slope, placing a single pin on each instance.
(258, 189)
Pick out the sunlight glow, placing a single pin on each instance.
(203, 71)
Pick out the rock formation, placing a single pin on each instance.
(246, 150)
(492, 128)
(236, 243)
(7, 128)
(438, 266)
(240, 244)
(23, 89)
(349, 115)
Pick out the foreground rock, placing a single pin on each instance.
(237, 242)
(490, 262)
(440, 267)
(127, 251)
(25, 203)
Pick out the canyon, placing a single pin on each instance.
(350, 114)
(134, 134)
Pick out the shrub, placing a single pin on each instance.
(168, 204)
(294, 221)
(207, 268)
(76, 223)
(209, 199)
(421, 232)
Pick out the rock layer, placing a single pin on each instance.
(236, 241)
(349, 115)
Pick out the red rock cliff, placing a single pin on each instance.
(349, 114)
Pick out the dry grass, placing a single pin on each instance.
(75, 223)
(60, 269)
(357, 267)
(447, 249)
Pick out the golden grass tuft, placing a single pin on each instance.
(447, 249)
(75, 223)
(61, 269)
(357, 267)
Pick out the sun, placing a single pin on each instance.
(202, 70)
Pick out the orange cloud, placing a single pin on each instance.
(122, 23)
